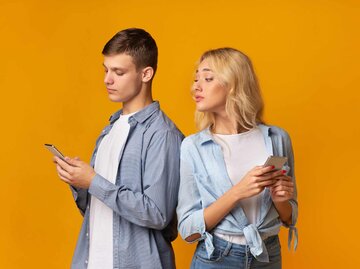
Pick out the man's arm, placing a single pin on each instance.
(156, 206)
(80, 197)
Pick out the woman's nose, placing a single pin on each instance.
(197, 86)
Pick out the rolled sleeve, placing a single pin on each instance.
(189, 210)
(293, 202)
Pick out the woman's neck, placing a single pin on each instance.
(225, 125)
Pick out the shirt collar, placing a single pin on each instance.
(140, 116)
(206, 136)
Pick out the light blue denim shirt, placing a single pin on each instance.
(144, 197)
(204, 179)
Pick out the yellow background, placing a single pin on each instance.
(306, 54)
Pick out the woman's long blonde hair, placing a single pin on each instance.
(244, 102)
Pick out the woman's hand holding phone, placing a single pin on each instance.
(255, 181)
(283, 189)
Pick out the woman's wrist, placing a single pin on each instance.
(285, 211)
(235, 195)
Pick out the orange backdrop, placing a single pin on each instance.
(305, 54)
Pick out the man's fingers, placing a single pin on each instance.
(64, 164)
(62, 172)
(73, 161)
(65, 179)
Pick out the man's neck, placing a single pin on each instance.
(136, 105)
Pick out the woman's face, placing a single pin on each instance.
(208, 91)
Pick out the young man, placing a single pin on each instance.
(128, 193)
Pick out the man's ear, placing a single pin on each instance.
(147, 74)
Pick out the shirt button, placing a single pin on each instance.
(87, 234)
(86, 261)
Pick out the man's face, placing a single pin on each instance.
(123, 82)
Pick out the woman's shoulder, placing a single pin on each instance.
(273, 130)
(193, 138)
(196, 140)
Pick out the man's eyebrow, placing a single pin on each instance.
(114, 68)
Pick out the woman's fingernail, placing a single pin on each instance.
(283, 171)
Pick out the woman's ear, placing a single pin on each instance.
(147, 74)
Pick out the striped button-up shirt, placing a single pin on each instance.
(144, 197)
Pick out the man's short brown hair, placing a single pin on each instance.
(135, 42)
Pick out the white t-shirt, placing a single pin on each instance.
(101, 216)
(242, 152)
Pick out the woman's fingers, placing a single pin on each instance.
(267, 183)
(260, 170)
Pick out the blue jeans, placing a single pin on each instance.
(234, 256)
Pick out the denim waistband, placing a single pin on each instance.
(227, 247)
(221, 243)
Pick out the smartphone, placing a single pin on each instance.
(55, 151)
(276, 161)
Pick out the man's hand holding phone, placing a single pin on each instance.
(72, 170)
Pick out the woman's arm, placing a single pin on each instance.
(281, 192)
(252, 184)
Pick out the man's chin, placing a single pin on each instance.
(115, 99)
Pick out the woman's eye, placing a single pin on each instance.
(196, 80)
(209, 79)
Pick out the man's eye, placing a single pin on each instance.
(196, 80)
(119, 74)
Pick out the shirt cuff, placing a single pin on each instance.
(293, 232)
(99, 187)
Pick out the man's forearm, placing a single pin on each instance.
(136, 207)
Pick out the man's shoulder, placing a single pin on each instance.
(160, 123)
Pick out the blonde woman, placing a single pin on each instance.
(229, 202)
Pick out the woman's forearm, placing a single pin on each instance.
(285, 211)
(217, 211)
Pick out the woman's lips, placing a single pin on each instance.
(198, 98)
